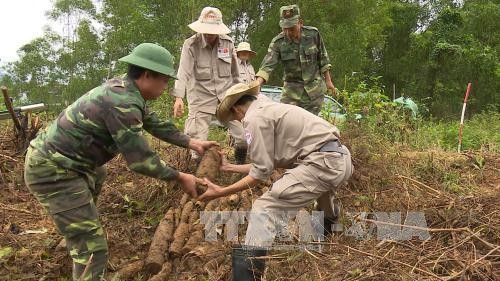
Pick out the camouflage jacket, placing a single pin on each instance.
(104, 122)
(304, 63)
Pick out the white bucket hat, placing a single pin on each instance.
(210, 22)
(245, 46)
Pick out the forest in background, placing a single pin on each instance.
(426, 50)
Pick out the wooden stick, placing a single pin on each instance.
(462, 118)
(82, 277)
(9, 158)
(8, 104)
(5, 207)
(424, 185)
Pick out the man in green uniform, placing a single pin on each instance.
(306, 65)
(64, 164)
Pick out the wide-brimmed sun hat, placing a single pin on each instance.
(233, 94)
(245, 46)
(210, 22)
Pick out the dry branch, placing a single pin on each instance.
(10, 108)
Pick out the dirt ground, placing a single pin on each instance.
(458, 193)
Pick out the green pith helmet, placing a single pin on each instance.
(289, 16)
(153, 57)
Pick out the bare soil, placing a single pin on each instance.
(458, 193)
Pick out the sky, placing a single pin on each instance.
(20, 22)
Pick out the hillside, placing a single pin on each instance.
(457, 193)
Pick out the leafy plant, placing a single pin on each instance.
(132, 206)
(5, 252)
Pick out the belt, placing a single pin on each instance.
(333, 146)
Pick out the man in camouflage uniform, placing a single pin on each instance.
(305, 61)
(64, 164)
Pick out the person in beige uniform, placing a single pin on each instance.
(208, 67)
(245, 54)
(280, 136)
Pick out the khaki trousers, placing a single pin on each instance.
(315, 178)
(197, 125)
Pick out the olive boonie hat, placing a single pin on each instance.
(289, 16)
(153, 57)
(233, 94)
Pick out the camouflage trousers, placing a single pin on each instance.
(70, 200)
(302, 99)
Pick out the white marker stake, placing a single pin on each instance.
(462, 118)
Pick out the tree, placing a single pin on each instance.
(428, 49)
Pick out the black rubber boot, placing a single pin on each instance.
(240, 155)
(245, 265)
(330, 225)
(333, 224)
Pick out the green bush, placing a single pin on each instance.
(384, 119)
(482, 131)
(380, 116)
